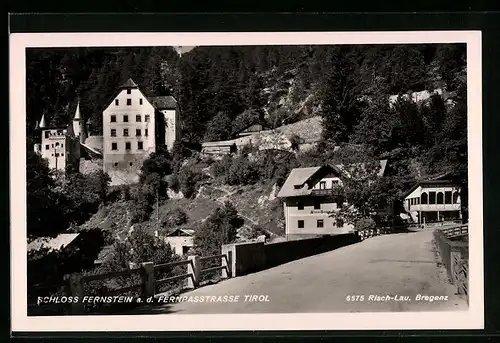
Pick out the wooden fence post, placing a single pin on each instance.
(148, 279)
(193, 268)
(77, 290)
(227, 263)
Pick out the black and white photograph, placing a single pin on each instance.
(326, 176)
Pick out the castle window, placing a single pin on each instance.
(113, 132)
(300, 224)
(47, 147)
(116, 164)
(145, 132)
(47, 134)
(125, 132)
(57, 144)
(140, 146)
(138, 118)
(62, 154)
(117, 102)
(113, 118)
(140, 101)
(127, 145)
(62, 145)
(146, 117)
(129, 102)
(114, 146)
(125, 118)
(137, 132)
(319, 223)
(57, 154)
(131, 164)
(129, 91)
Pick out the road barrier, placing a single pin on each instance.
(148, 284)
(454, 255)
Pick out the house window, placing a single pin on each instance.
(140, 146)
(47, 147)
(117, 102)
(47, 134)
(113, 132)
(447, 197)
(423, 198)
(125, 118)
(114, 146)
(116, 164)
(113, 118)
(455, 197)
(440, 199)
(322, 185)
(57, 154)
(432, 198)
(300, 206)
(140, 101)
(319, 223)
(127, 145)
(146, 117)
(300, 224)
(62, 145)
(317, 205)
(137, 132)
(131, 164)
(418, 201)
(138, 118)
(129, 102)
(145, 132)
(125, 132)
(129, 91)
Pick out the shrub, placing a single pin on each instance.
(189, 179)
(175, 217)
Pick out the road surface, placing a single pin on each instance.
(399, 266)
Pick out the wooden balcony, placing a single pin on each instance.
(434, 207)
(326, 192)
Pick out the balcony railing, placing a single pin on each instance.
(434, 207)
(327, 192)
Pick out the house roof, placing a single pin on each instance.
(218, 144)
(181, 232)
(296, 183)
(129, 84)
(56, 243)
(163, 102)
(255, 127)
(426, 183)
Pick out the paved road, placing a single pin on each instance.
(401, 265)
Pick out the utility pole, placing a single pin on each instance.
(157, 211)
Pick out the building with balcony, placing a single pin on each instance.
(433, 200)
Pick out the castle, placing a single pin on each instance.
(134, 126)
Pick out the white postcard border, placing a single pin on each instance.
(471, 319)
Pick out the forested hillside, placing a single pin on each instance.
(220, 89)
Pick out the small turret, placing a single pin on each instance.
(79, 124)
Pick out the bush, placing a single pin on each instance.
(189, 179)
(175, 218)
(242, 172)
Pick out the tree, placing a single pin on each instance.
(218, 128)
(218, 229)
(340, 95)
(189, 179)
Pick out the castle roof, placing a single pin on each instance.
(42, 124)
(78, 115)
(163, 102)
(129, 84)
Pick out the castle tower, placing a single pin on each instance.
(79, 124)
